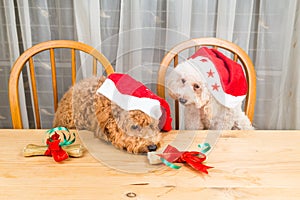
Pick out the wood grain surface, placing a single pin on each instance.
(247, 165)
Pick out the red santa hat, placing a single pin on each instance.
(225, 77)
(130, 94)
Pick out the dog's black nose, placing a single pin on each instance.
(182, 100)
(152, 147)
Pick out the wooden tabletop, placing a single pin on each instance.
(247, 165)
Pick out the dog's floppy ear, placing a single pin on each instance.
(202, 98)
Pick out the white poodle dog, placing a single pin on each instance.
(187, 84)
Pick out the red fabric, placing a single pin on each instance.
(192, 158)
(127, 85)
(231, 73)
(55, 150)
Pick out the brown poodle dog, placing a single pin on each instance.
(82, 108)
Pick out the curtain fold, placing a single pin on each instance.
(226, 19)
(87, 20)
(274, 39)
(289, 104)
(23, 12)
(137, 34)
(35, 26)
(13, 47)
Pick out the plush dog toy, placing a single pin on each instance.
(118, 109)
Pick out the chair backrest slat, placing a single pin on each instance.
(54, 83)
(176, 102)
(34, 93)
(73, 66)
(176, 115)
(235, 57)
(175, 60)
(94, 66)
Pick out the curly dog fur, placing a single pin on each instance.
(82, 108)
(202, 110)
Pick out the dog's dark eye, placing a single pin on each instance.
(196, 86)
(134, 127)
(183, 80)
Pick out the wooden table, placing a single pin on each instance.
(247, 165)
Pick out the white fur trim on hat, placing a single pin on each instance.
(149, 106)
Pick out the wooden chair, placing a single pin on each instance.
(27, 57)
(238, 55)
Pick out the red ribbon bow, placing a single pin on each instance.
(192, 158)
(54, 149)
